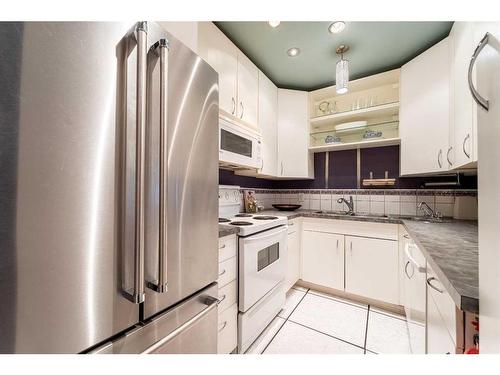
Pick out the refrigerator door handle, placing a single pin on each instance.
(161, 49)
(212, 303)
(141, 35)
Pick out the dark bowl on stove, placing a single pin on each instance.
(287, 207)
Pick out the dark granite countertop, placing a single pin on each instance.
(450, 247)
(226, 230)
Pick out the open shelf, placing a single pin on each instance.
(378, 142)
(370, 113)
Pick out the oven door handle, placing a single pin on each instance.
(248, 239)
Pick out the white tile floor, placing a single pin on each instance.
(312, 322)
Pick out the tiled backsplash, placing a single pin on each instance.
(379, 202)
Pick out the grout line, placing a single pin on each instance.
(286, 320)
(326, 334)
(333, 298)
(366, 330)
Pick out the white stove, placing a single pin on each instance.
(253, 223)
(262, 254)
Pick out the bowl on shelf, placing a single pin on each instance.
(287, 207)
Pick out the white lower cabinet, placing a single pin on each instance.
(439, 340)
(293, 254)
(227, 339)
(371, 268)
(323, 259)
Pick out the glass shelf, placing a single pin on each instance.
(331, 137)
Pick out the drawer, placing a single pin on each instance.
(227, 247)
(444, 303)
(228, 295)
(352, 228)
(228, 330)
(227, 271)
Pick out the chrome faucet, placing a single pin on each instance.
(349, 203)
(422, 206)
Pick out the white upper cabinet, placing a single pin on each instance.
(424, 112)
(238, 76)
(268, 123)
(294, 159)
(248, 89)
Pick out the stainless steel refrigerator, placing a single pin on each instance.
(108, 190)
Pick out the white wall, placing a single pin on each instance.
(186, 32)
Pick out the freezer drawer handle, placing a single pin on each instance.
(475, 94)
(140, 34)
(212, 303)
(160, 49)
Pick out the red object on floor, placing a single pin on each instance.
(472, 351)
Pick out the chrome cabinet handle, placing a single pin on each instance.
(212, 304)
(291, 224)
(222, 299)
(140, 33)
(429, 282)
(282, 168)
(406, 270)
(406, 236)
(420, 268)
(223, 326)
(337, 244)
(463, 146)
(440, 154)
(160, 50)
(350, 245)
(448, 156)
(242, 109)
(222, 272)
(222, 247)
(234, 105)
(484, 103)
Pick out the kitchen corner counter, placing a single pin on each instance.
(225, 230)
(450, 247)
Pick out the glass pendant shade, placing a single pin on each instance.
(342, 76)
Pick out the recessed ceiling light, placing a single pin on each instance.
(274, 23)
(336, 27)
(292, 52)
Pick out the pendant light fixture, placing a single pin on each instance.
(342, 70)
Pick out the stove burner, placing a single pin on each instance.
(243, 215)
(265, 217)
(223, 220)
(241, 223)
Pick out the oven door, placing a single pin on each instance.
(262, 260)
(238, 147)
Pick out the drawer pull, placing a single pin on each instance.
(222, 272)
(432, 286)
(223, 326)
(291, 224)
(222, 299)
(222, 247)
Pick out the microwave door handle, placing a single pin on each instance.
(161, 49)
(140, 34)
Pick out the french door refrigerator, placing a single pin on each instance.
(108, 190)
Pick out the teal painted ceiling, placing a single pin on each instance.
(374, 47)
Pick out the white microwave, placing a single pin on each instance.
(238, 147)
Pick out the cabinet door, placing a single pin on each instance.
(248, 88)
(371, 268)
(323, 259)
(293, 254)
(222, 55)
(438, 338)
(268, 123)
(294, 159)
(463, 114)
(425, 111)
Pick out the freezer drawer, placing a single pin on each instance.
(189, 328)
